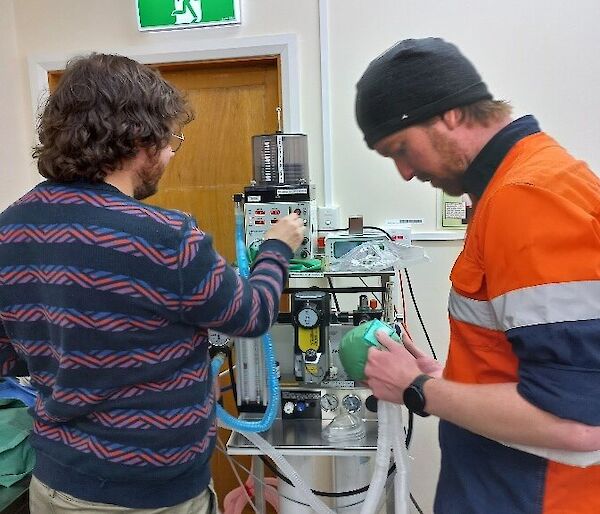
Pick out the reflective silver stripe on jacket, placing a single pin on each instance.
(475, 312)
(548, 303)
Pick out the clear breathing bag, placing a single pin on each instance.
(344, 427)
(374, 256)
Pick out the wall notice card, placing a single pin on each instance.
(453, 211)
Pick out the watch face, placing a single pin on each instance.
(413, 399)
(308, 318)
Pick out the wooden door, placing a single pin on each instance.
(233, 100)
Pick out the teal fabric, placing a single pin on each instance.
(17, 457)
(354, 347)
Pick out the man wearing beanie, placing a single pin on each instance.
(518, 397)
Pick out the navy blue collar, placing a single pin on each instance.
(482, 169)
(81, 184)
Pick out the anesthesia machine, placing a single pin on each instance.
(298, 405)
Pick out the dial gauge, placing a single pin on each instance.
(351, 403)
(308, 317)
(329, 402)
(217, 339)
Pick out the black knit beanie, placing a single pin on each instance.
(413, 81)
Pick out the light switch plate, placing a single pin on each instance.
(328, 217)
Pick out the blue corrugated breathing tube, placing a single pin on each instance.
(272, 381)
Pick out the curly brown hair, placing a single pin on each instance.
(104, 109)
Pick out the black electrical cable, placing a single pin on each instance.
(354, 491)
(409, 433)
(335, 300)
(232, 376)
(412, 295)
(411, 415)
(414, 502)
(372, 293)
(321, 493)
(380, 230)
(409, 430)
(366, 226)
(336, 495)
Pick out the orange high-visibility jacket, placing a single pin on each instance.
(525, 307)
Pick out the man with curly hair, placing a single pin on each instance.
(105, 301)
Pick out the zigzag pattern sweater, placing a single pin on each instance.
(105, 302)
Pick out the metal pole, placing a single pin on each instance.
(259, 477)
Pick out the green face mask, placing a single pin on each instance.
(354, 347)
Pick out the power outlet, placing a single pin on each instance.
(328, 217)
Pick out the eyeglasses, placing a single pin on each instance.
(175, 141)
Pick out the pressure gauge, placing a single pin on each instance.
(352, 403)
(288, 407)
(217, 339)
(329, 402)
(308, 317)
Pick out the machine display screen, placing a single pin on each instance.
(341, 248)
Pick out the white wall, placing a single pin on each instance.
(15, 172)
(540, 54)
(49, 30)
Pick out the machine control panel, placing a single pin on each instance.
(326, 403)
(300, 404)
(259, 217)
(279, 187)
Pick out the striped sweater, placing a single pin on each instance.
(106, 302)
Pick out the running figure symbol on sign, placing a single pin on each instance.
(187, 11)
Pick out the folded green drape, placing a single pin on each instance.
(16, 455)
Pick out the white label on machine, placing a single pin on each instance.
(280, 172)
(298, 191)
(342, 384)
(306, 274)
(253, 198)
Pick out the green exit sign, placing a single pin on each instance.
(185, 14)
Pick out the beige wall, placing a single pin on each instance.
(540, 54)
(15, 122)
(61, 28)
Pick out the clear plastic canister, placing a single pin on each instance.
(280, 159)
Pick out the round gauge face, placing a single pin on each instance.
(351, 403)
(329, 402)
(308, 318)
(217, 339)
(288, 407)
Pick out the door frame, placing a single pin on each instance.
(283, 45)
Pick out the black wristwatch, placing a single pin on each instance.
(413, 397)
